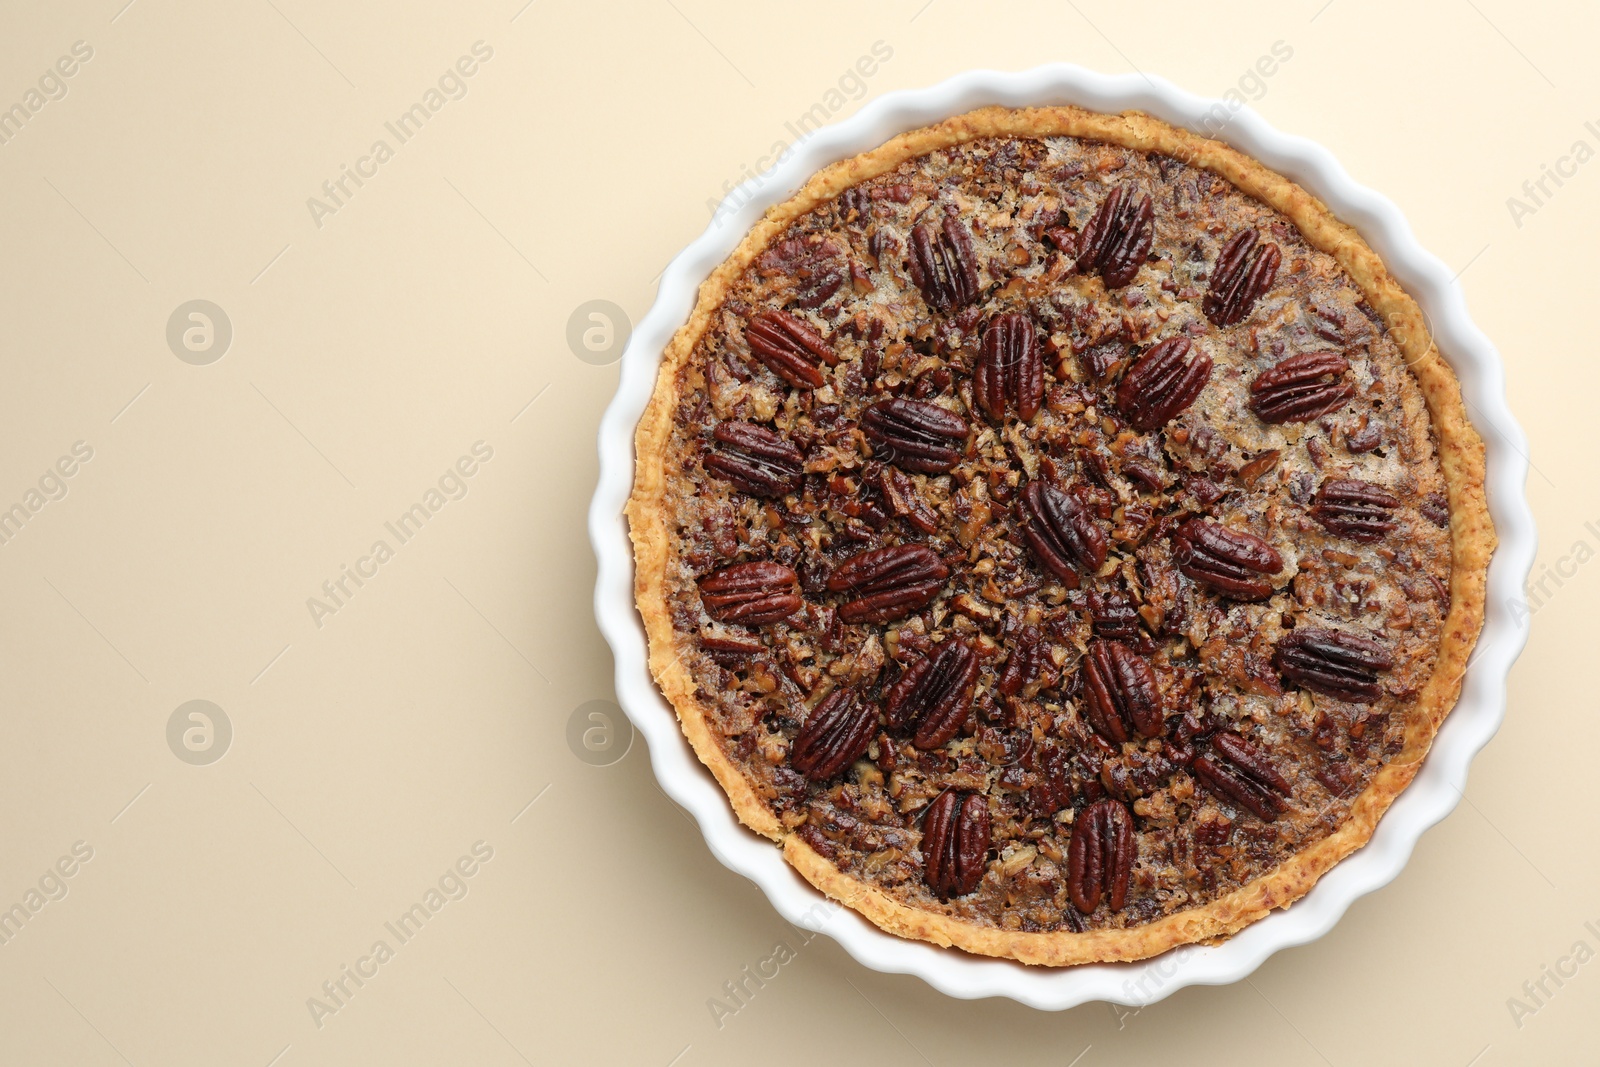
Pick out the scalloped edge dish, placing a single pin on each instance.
(1436, 788)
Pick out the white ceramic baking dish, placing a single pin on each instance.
(1430, 797)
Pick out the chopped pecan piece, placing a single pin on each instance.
(1144, 474)
(1010, 370)
(1436, 509)
(1364, 437)
(1334, 663)
(888, 583)
(812, 264)
(818, 841)
(943, 264)
(1240, 773)
(1025, 664)
(1061, 532)
(906, 501)
(1301, 387)
(789, 347)
(855, 206)
(731, 646)
(1162, 384)
(835, 735)
(1355, 509)
(955, 843)
(1100, 856)
(915, 435)
(1251, 472)
(881, 245)
(752, 594)
(1231, 562)
(755, 459)
(1118, 237)
(1244, 272)
(1064, 239)
(1114, 615)
(1052, 765)
(1121, 697)
(934, 696)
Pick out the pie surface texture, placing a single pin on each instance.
(1060, 533)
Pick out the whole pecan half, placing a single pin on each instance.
(1061, 532)
(1237, 771)
(1100, 856)
(955, 843)
(1121, 696)
(753, 594)
(1162, 383)
(755, 459)
(915, 435)
(934, 695)
(888, 583)
(789, 347)
(835, 735)
(1118, 237)
(1244, 272)
(1355, 509)
(1301, 387)
(1334, 663)
(1010, 368)
(943, 264)
(1230, 562)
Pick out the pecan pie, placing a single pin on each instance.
(1059, 533)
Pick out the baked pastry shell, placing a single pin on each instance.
(1496, 474)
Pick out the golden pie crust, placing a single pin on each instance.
(1460, 457)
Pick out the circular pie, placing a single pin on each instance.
(1059, 533)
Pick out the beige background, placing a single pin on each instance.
(368, 354)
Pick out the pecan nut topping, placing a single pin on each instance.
(790, 348)
(835, 735)
(935, 694)
(955, 843)
(726, 646)
(1301, 387)
(943, 265)
(1100, 856)
(906, 501)
(752, 594)
(1113, 614)
(1355, 509)
(888, 583)
(755, 459)
(1048, 556)
(1239, 772)
(1162, 384)
(1061, 532)
(1121, 697)
(1244, 272)
(1010, 368)
(1337, 664)
(915, 435)
(1231, 562)
(1118, 237)
(1026, 664)
(812, 264)
(1052, 767)
(1065, 240)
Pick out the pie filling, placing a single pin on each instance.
(1058, 541)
